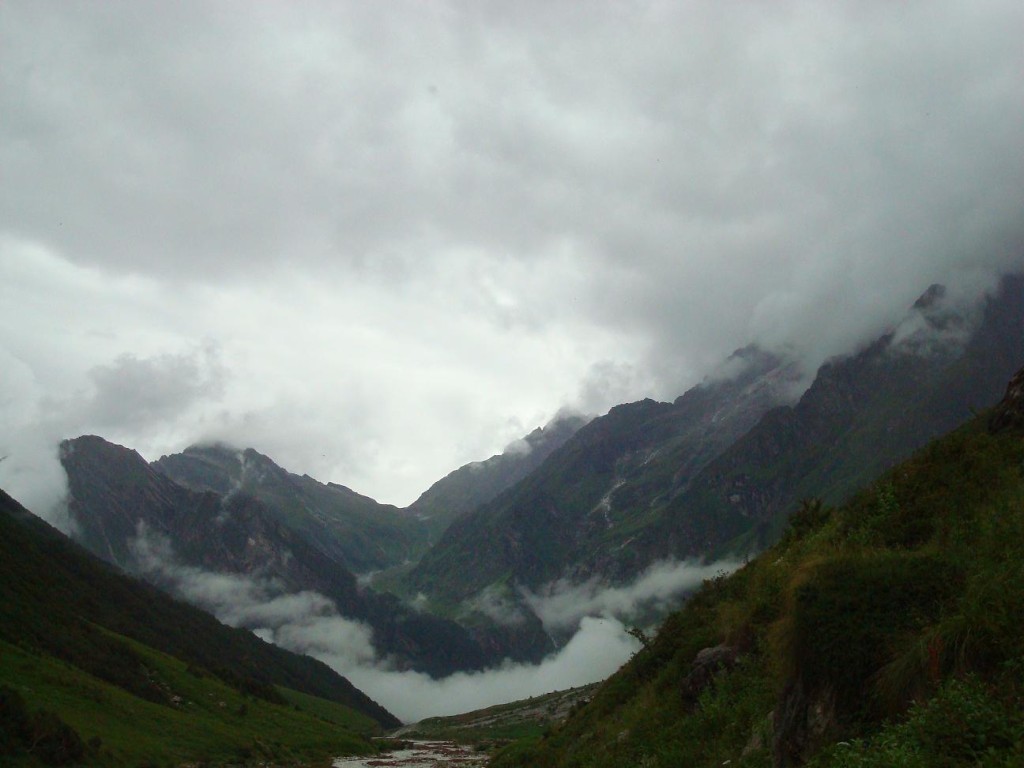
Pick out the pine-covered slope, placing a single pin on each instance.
(885, 632)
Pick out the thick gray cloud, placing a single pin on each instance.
(132, 400)
(409, 232)
(139, 394)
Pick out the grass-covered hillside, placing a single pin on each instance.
(98, 669)
(886, 632)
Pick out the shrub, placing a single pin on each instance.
(964, 724)
(810, 516)
(53, 741)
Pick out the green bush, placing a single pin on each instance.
(963, 725)
(53, 741)
(810, 516)
(41, 734)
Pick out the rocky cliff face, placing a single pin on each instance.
(1009, 413)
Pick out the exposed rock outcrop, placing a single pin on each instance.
(708, 663)
(802, 722)
(1009, 414)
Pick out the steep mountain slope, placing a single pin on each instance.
(603, 485)
(466, 488)
(861, 415)
(720, 468)
(57, 599)
(352, 529)
(883, 633)
(133, 516)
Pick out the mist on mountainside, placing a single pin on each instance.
(594, 621)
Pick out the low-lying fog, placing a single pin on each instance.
(596, 616)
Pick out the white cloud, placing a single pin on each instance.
(590, 616)
(408, 230)
(305, 622)
(308, 622)
(329, 406)
(29, 469)
(561, 604)
(497, 604)
(599, 648)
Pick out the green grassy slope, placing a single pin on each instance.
(96, 668)
(885, 632)
(202, 718)
(54, 595)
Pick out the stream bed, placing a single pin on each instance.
(422, 754)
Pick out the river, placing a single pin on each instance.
(422, 754)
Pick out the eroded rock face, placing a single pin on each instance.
(802, 721)
(1009, 414)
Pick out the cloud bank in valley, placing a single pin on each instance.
(561, 604)
(596, 650)
(411, 232)
(593, 619)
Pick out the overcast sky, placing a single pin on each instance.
(376, 241)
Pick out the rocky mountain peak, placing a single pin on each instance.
(98, 450)
(931, 297)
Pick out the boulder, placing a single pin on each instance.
(708, 663)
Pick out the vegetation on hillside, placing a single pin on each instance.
(98, 669)
(53, 713)
(55, 597)
(884, 632)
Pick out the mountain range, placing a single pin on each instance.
(715, 473)
(719, 470)
(130, 514)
